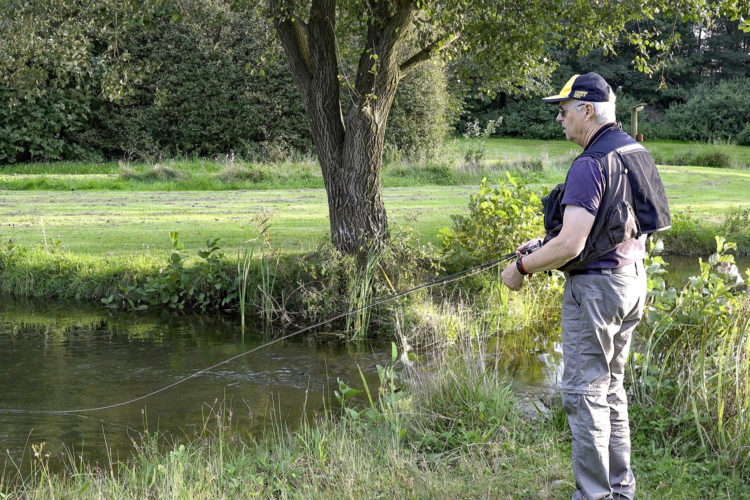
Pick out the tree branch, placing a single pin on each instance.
(385, 33)
(427, 53)
(295, 38)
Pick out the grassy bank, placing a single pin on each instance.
(101, 245)
(446, 426)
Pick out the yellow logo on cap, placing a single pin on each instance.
(580, 93)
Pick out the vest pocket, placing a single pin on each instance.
(622, 223)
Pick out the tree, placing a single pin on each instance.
(505, 41)
(503, 44)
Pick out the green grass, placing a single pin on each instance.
(227, 174)
(103, 223)
(126, 222)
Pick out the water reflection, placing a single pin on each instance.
(680, 268)
(54, 363)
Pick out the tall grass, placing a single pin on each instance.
(244, 262)
(692, 375)
(361, 294)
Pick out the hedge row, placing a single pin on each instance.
(212, 81)
(715, 112)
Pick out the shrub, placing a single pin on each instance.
(208, 91)
(715, 112)
(44, 126)
(743, 137)
(418, 122)
(500, 218)
(685, 380)
(702, 155)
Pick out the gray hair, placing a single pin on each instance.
(604, 112)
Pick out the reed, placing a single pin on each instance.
(362, 292)
(244, 263)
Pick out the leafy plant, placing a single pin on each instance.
(475, 154)
(693, 370)
(390, 403)
(8, 251)
(499, 219)
(207, 286)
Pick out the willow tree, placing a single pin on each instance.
(505, 41)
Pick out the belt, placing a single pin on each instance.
(612, 270)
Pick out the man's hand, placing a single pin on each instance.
(512, 278)
(534, 242)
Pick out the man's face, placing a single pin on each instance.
(572, 117)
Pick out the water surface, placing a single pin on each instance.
(58, 360)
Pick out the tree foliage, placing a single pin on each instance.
(196, 77)
(700, 54)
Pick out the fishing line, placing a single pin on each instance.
(447, 279)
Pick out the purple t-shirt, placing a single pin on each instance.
(584, 187)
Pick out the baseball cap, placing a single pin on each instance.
(590, 87)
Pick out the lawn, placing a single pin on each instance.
(137, 216)
(98, 222)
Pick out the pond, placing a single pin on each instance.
(56, 360)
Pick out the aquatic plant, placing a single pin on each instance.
(207, 286)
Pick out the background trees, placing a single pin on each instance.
(189, 78)
(146, 78)
(703, 63)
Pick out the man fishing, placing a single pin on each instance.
(596, 227)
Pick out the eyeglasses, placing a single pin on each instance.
(562, 111)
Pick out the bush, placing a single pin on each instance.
(208, 91)
(743, 138)
(695, 351)
(715, 112)
(499, 220)
(418, 122)
(701, 155)
(530, 118)
(46, 125)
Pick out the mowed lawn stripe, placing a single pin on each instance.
(119, 222)
(96, 222)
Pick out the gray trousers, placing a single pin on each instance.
(599, 314)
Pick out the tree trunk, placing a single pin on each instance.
(355, 202)
(351, 151)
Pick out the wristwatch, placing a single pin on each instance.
(519, 266)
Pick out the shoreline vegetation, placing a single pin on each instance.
(446, 425)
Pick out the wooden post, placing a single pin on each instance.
(634, 121)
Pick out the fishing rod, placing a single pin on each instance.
(446, 279)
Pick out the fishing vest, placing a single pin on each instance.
(633, 204)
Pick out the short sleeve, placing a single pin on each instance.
(584, 186)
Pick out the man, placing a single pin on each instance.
(597, 224)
